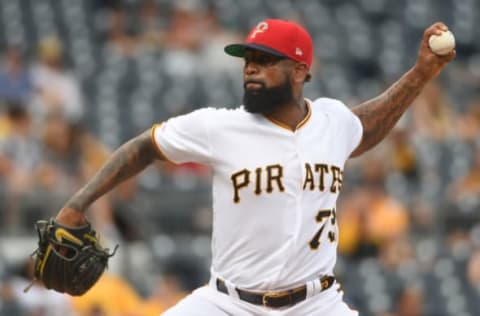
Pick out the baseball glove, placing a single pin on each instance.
(68, 260)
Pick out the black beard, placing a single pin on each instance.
(266, 100)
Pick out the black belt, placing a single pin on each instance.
(276, 299)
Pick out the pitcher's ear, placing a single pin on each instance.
(302, 73)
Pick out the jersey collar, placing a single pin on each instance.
(299, 125)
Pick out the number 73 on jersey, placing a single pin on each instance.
(322, 218)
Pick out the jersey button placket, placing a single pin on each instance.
(299, 195)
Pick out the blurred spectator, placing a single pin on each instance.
(214, 38)
(403, 156)
(122, 38)
(423, 216)
(123, 201)
(19, 157)
(15, 78)
(473, 270)
(469, 123)
(396, 252)
(183, 31)
(60, 170)
(110, 296)
(386, 218)
(56, 88)
(352, 220)
(369, 216)
(166, 293)
(183, 39)
(114, 296)
(433, 115)
(9, 304)
(152, 24)
(39, 301)
(466, 189)
(457, 240)
(70, 154)
(95, 311)
(411, 302)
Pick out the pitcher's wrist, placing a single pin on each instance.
(71, 217)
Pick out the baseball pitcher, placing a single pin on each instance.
(277, 162)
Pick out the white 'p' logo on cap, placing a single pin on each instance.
(260, 28)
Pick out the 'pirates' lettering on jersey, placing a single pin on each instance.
(321, 170)
(241, 179)
(274, 175)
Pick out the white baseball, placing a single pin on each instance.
(442, 44)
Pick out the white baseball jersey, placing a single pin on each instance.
(274, 189)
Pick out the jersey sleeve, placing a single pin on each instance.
(184, 138)
(354, 130)
(348, 126)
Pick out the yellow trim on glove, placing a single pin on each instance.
(61, 233)
(44, 260)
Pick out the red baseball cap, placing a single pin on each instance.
(277, 37)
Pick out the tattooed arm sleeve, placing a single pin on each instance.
(379, 115)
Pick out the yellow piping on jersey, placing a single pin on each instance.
(157, 147)
(307, 117)
(299, 125)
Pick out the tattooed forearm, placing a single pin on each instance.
(126, 161)
(379, 115)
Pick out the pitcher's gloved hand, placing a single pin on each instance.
(69, 259)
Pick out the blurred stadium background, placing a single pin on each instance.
(78, 78)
